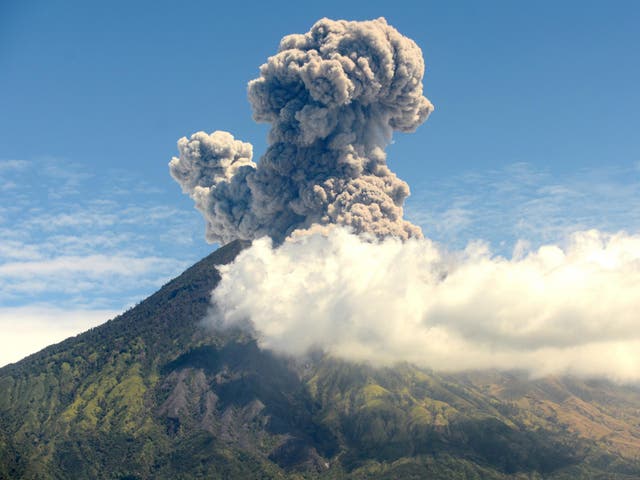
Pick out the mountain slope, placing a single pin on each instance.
(153, 394)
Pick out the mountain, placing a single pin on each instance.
(154, 394)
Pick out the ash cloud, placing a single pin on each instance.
(333, 264)
(333, 97)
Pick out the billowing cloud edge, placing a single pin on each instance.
(552, 310)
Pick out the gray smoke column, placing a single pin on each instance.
(333, 97)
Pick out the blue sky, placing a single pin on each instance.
(534, 133)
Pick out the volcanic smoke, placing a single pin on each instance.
(335, 266)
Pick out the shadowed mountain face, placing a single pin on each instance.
(153, 394)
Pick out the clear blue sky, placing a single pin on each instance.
(534, 133)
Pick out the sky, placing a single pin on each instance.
(533, 134)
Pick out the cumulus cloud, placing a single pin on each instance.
(551, 310)
(333, 97)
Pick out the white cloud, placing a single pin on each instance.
(6, 165)
(85, 244)
(91, 266)
(27, 329)
(570, 309)
(518, 201)
(82, 218)
(92, 275)
(84, 240)
(15, 250)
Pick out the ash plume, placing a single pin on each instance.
(333, 97)
(313, 278)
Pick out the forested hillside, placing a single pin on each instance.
(155, 394)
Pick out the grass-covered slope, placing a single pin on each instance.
(153, 394)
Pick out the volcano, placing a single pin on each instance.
(154, 393)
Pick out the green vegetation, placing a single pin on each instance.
(154, 394)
